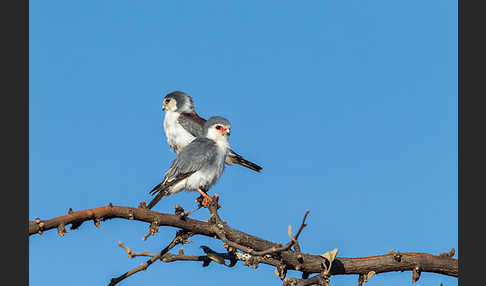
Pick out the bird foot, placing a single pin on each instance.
(204, 200)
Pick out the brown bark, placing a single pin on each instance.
(291, 259)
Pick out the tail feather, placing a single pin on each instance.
(160, 191)
(156, 189)
(163, 189)
(234, 158)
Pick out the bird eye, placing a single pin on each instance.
(218, 127)
(166, 101)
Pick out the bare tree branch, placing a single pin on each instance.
(256, 250)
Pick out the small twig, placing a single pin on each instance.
(132, 254)
(219, 232)
(179, 211)
(153, 229)
(144, 266)
(298, 253)
(180, 238)
(186, 214)
(302, 225)
(292, 242)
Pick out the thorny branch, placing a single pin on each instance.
(250, 249)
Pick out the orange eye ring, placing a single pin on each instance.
(218, 127)
(166, 101)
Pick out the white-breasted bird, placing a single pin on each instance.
(199, 165)
(182, 125)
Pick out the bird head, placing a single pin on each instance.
(217, 128)
(178, 101)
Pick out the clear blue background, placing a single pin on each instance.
(350, 107)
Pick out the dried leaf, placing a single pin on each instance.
(330, 256)
(368, 276)
(290, 230)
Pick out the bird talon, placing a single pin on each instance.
(206, 201)
(203, 201)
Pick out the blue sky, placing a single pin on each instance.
(350, 107)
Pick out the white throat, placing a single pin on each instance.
(221, 141)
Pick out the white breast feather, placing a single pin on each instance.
(208, 176)
(177, 136)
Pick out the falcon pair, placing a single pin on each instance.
(201, 146)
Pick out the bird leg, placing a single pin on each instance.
(206, 199)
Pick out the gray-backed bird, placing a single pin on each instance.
(199, 165)
(182, 125)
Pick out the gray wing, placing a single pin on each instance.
(200, 153)
(192, 123)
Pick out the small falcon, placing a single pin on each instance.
(182, 125)
(199, 165)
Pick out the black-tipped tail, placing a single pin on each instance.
(160, 191)
(234, 158)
